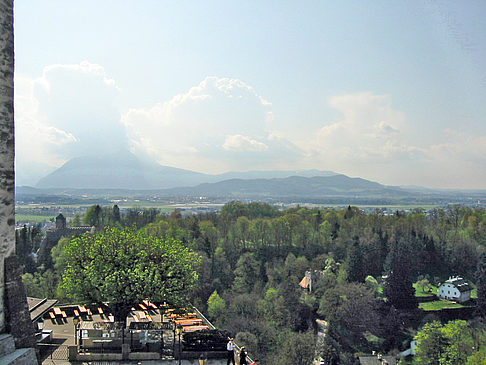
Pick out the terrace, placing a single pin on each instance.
(154, 333)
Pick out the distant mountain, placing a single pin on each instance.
(294, 186)
(126, 171)
(273, 174)
(118, 171)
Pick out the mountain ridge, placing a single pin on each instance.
(126, 171)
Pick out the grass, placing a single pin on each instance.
(439, 304)
(425, 293)
(33, 218)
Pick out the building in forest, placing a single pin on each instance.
(455, 288)
(310, 278)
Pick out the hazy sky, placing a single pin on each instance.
(392, 91)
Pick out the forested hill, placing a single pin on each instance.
(294, 186)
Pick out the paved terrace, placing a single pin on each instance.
(61, 321)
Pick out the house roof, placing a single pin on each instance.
(304, 283)
(461, 284)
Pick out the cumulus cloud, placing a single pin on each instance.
(243, 143)
(374, 140)
(371, 131)
(223, 124)
(67, 112)
(218, 125)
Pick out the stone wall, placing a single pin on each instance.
(7, 208)
(17, 315)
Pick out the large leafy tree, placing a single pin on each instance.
(297, 349)
(448, 344)
(123, 267)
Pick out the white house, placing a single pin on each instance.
(456, 288)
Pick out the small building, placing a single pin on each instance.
(455, 288)
(53, 235)
(310, 278)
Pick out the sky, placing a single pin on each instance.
(393, 92)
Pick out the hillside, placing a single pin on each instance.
(294, 186)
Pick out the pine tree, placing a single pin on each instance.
(398, 288)
(481, 285)
(116, 214)
(354, 263)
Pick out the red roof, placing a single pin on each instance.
(304, 283)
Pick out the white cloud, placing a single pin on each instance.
(243, 143)
(218, 125)
(374, 141)
(223, 124)
(69, 111)
(370, 132)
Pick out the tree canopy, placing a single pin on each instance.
(124, 267)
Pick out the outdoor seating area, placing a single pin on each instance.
(150, 328)
(187, 321)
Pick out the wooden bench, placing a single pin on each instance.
(188, 322)
(194, 328)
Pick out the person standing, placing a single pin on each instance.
(243, 356)
(231, 351)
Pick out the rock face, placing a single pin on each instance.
(7, 208)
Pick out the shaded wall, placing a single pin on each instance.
(7, 207)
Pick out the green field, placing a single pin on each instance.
(425, 293)
(439, 304)
(33, 218)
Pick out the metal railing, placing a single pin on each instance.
(238, 348)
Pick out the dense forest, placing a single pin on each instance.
(253, 257)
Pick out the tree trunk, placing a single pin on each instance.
(121, 312)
